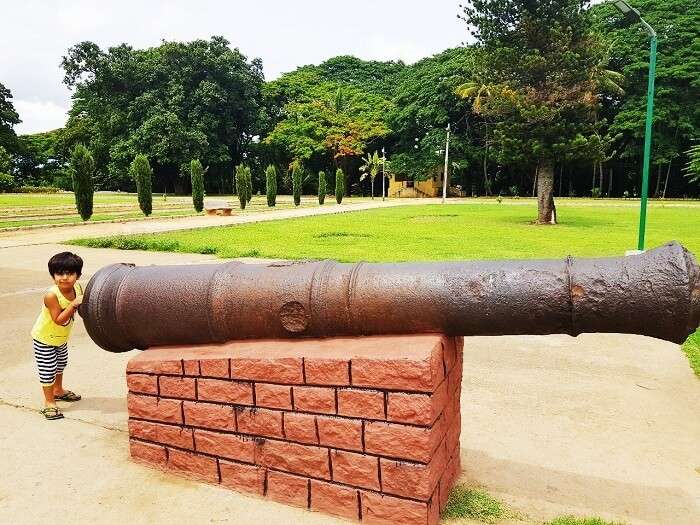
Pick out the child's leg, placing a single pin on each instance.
(61, 363)
(47, 363)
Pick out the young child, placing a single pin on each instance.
(52, 329)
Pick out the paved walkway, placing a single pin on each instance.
(599, 425)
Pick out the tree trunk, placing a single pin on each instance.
(610, 177)
(668, 172)
(595, 172)
(600, 182)
(658, 181)
(487, 182)
(546, 210)
(534, 182)
(561, 177)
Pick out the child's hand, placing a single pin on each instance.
(77, 301)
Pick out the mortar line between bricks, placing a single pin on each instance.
(318, 435)
(254, 387)
(273, 469)
(359, 506)
(291, 396)
(284, 433)
(350, 371)
(243, 406)
(229, 368)
(265, 483)
(322, 385)
(246, 436)
(308, 493)
(379, 472)
(303, 369)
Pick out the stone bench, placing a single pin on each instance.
(217, 208)
(366, 428)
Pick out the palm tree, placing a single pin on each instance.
(370, 167)
(692, 169)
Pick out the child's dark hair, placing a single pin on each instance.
(65, 262)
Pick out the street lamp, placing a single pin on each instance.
(633, 14)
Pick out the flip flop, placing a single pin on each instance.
(52, 413)
(68, 396)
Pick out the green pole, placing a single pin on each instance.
(647, 140)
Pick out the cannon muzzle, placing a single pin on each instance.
(656, 294)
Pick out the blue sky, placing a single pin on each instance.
(285, 34)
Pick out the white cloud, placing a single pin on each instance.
(39, 116)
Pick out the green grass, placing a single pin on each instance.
(572, 520)
(476, 504)
(691, 347)
(435, 232)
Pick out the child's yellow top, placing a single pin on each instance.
(45, 330)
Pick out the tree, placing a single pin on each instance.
(197, 177)
(141, 172)
(242, 184)
(339, 185)
(321, 187)
(692, 169)
(271, 185)
(370, 167)
(248, 185)
(82, 167)
(42, 160)
(297, 173)
(7, 181)
(541, 55)
(8, 119)
(173, 102)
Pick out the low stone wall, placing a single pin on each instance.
(365, 428)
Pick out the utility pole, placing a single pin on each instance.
(383, 171)
(447, 156)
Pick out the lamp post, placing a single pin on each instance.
(633, 14)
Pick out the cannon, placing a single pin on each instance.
(655, 294)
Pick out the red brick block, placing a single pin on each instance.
(166, 434)
(314, 399)
(191, 367)
(422, 371)
(359, 470)
(208, 415)
(142, 383)
(244, 478)
(402, 441)
(292, 457)
(390, 511)
(273, 396)
(225, 445)
(182, 387)
(367, 404)
(413, 480)
(300, 427)
(273, 370)
(225, 391)
(327, 371)
(334, 499)
(193, 466)
(449, 352)
(148, 453)
(147, 407)
(288, 489)
(449, 478)
(340, 432)
(214, 368)
(144, 363)
(260, 422)
(418, 409)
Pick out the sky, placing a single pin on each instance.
(285, 34)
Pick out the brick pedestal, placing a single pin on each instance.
(366, 428)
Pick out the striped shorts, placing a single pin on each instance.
(50, 361)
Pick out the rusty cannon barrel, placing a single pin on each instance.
(656, 294)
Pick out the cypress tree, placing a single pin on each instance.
(339, 185)
(242, 185)
(82, 167)
(321, 187)
(248, 184)
(296, 182)
(140, 170)
(271, 185)
(197, 175)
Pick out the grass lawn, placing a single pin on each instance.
(435, 232)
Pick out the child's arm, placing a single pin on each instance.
(59, 316)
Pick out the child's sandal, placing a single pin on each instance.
(52, 413)
(68, 396)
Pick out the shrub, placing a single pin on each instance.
(596, 193)
(248, 184)
(242, 185)
(82, 167)
(296, 182)
(140, 170)
(7, 182)
(321, 187)
(197, 176)
(38, 189)
(339, 185)
(271, 185)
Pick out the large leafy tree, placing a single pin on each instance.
(41, 159)
(539, 56)
(173, 102)
(8, 119)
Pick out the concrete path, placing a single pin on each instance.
(599, 425)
